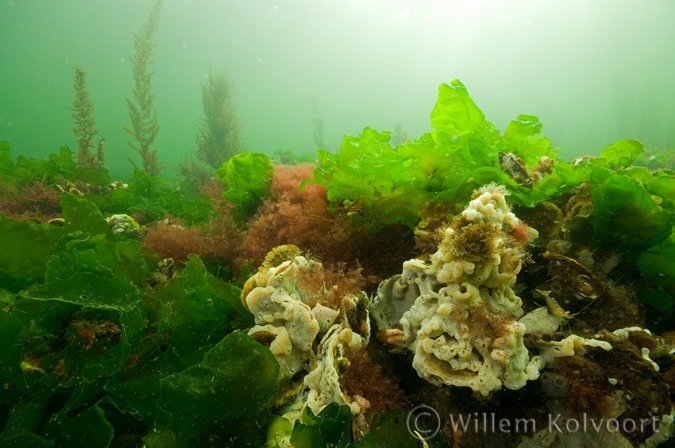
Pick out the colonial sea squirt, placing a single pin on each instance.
(463, 325)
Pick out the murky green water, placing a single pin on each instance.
(592, 72)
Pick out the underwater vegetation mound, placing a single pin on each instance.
(392, 291)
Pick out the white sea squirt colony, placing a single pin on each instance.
(465, 324)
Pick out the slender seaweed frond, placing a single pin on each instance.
(141, 111)
(85, 123)
(317, 119)
(218, 137)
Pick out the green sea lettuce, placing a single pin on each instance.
(84, 430)
(137, 397)
(658, 299)
(235, 379)
(657, 265)
(247, 177)
(91, 330)
(524, 139)
(24, 421)
(83, 215)
(380, 185)
(82, 276)
(199, 308)
(11, 351)
(393, 430)
(626, 217)
(622, 154)
(332, 427)
(26, 247)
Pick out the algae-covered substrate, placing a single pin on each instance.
(469, 287)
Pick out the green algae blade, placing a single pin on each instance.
(236, 378)
(393, 430)
(247, 177)
(84, 215)
(523, 138)
(332, 427)
(622, 154)
(26, 247)
(626, 217)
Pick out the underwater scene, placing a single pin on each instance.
(299, 224)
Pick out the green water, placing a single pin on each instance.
(593, 72)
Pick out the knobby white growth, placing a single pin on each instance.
(465, 323)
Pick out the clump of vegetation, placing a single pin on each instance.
(364, 377)
(301, 217)
(59, 169)
(85, 124)
(659, 158)
(154, 197)
(35, 201)
(472, 242)
(171, 238)
(381, 185)
(290, 157)
(141, 111)
(317, 119)
(286, 217)
(247, 177)
(218, 138)
(327, 285)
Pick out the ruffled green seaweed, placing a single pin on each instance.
(90, 330)
(247, 177)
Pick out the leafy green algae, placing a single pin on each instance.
(89, 337)
(626, 217)
(523, 138)
(332, 427)
(191, 401)
(154, 198)
(380, 185)
(26, 248)
(247, 177)
(57, 167)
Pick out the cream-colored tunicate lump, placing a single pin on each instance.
(463, 325)
(280, 315)
(289, 327)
